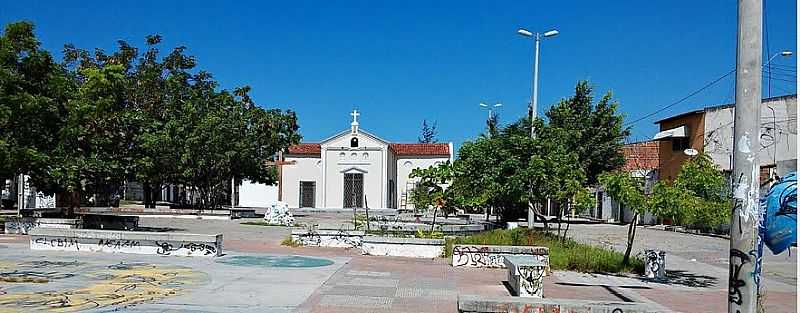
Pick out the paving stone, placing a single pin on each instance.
(365, 302)
(372, 282)
(424, 293)
(362, 291)
(369, 273)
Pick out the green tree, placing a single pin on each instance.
(34, 91)
(90, 139)
(629, 192)
(176, 127)
(594, 131)
(698, 197)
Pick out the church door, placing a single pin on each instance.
(354, 190)
(307, 194)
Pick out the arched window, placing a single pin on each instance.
(354, 142)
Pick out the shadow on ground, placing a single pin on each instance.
(159, 229)
(689, 279)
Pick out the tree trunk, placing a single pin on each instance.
(631, 235)
(433, 222)
(148, 196)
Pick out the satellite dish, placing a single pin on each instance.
(690, 152)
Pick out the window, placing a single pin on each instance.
(680, 143)
(354, 142)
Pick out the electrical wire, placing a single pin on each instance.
(682, 99)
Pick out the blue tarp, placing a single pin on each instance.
(780, 208)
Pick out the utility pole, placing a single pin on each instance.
(744, 274)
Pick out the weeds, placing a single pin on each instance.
(564, 255)
(288, 241)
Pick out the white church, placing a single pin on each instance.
(354, 168)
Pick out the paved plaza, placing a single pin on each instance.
(347, 281)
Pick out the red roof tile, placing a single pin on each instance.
(439, 149)
(641, 155)
(305, 148)
(442, 149)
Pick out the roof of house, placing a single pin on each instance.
(641, 155)
(305, 149)
(442, 149)
(721, 106)
(402, 149)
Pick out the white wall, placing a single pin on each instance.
(303, 169)
(369, 158)
(778, 139)
(370, 161)
(404, 167)
(255, 195)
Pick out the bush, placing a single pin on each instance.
(568, 255)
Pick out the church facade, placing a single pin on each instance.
(354, 168)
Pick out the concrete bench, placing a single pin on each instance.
(110, 222)
(93, 240)
(493, 256)
(404, 247)
(525, 275)
(243, 213)
(505, 304)
(23, 225)
(328, 237)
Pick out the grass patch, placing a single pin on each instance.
(569, 255)
(288, 241)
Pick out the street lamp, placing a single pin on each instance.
(535, 93)
(785, 53)
(537, 37)
(490, 108)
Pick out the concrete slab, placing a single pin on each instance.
(142, 283)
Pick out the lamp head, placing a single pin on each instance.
(524, 32)
(550, 33)
(483, 105)
(786, 53)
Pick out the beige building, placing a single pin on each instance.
(354, 168)
(710, 130)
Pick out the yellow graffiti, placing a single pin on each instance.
(115, 285)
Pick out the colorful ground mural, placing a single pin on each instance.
(74, 286)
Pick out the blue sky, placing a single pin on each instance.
(401, 62)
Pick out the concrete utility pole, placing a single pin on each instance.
(744, 274)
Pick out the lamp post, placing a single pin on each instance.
(537, 37)
(534, 95)
(785, 53)
(490, 108)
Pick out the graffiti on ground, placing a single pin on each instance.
(106, 286)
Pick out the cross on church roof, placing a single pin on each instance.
(355, 115)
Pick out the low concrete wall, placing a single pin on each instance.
(158, 212)
(493, 256)
(481, 304)
(23, 225)
(110, 222)
(410, 227)
(126, 242)
(328, 238)
(405, 247)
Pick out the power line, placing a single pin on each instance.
(682, 99)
